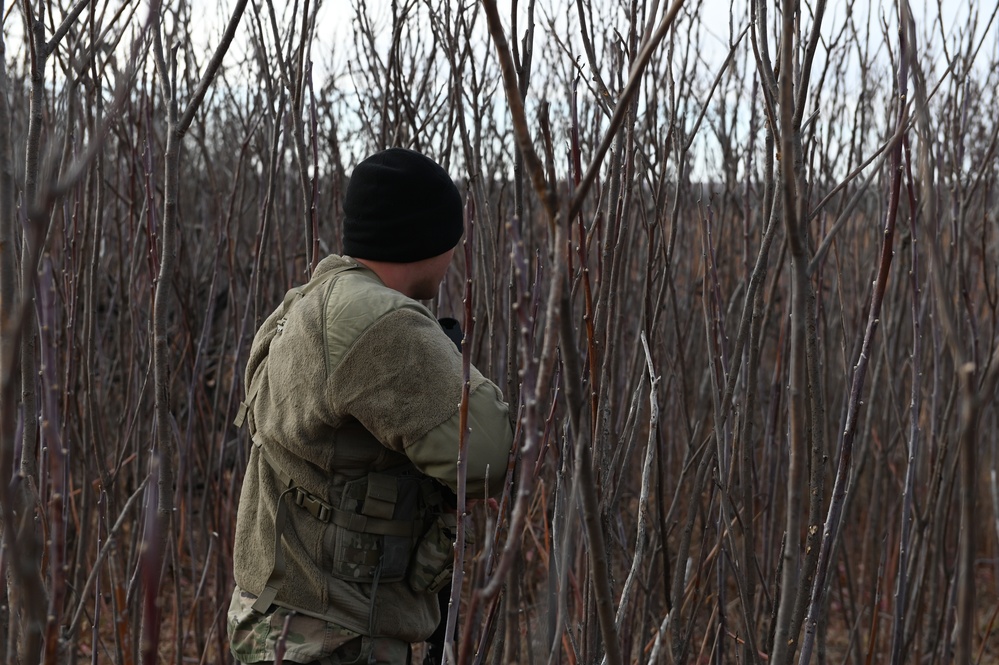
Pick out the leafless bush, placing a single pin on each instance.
(737, 271)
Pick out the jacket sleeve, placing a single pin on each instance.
(489, 441)
(401, 378)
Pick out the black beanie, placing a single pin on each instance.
(400, 207)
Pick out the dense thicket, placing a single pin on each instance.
(736, 267)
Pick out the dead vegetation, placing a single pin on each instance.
(748, 319)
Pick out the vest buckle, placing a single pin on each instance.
(318, 508)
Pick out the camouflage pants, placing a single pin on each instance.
(366, 651)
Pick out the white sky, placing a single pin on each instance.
(334, 25)
(335, 42)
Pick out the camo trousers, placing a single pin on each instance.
(366, 651)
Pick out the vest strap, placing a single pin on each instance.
(244, 406)
(375, 526)
(324, 512)
(266, 598)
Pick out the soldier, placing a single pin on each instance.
(344, 535)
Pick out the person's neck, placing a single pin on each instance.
(396, 276)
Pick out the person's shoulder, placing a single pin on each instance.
(358, 297)
(357, 301)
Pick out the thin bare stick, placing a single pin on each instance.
(914, 447)
(463, 431)
(535, 169)
(162, 462)
(830, 532)
(623, 104)
(641, 537)
(785, 641)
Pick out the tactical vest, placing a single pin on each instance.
(386, 518)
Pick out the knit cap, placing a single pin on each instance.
(400, 207)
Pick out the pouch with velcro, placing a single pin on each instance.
(372, 534)
(433, 558)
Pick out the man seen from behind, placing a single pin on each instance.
(344, 532)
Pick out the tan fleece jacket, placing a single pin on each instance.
(351, 355)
